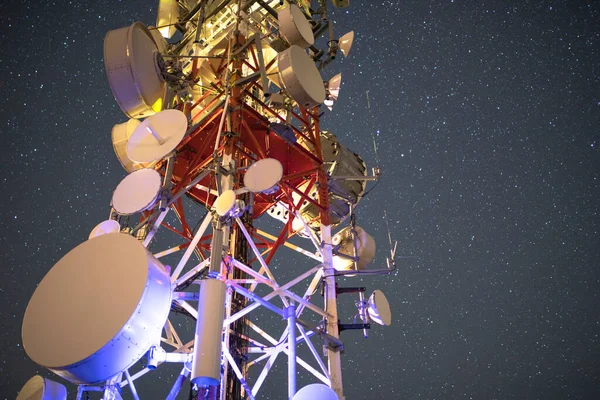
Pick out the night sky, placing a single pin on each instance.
(487, 123)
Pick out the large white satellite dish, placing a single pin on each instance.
(294, 27)
(263, 176)
(104, 227)
(137, 192)
(316, 391)
(379, 308)
(224, 203)
(345, 43)
(300, 77)
(39, 388)
(98, 310)
(157, 136)
(132, 62)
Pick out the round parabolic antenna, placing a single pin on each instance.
(263, 175)
(98, 310)
(157, 136)
(137, 192)
(224, 203)
(300, 77)
(120, 136)
(294, 27)
(132, 59)
(316, 391)
(379, 308)
(104, 227)
(39, 388)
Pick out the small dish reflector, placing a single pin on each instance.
(157, 136)
(224, 203)
(104, 227)
(294, 27)
(333, 89)
(300, 77)
(137, 192)
(263, 176)
(168, 16)
(120, 136)
(316, 391)
(39, 388)
(345, 43)
(379, 308)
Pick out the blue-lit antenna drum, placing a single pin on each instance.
(98, 310)
(39, 388)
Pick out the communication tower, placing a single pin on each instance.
(224, 103)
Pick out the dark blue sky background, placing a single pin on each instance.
(487, 118)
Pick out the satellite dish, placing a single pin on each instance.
(168, 14)
(316, 391)
(333, 90)
(120, 136)
(161, 42)
(224, 203)
(294, 27)
(104, 227)
(379, 308)
(132, 62)
(300, 77)
(345, 43)
(263, 176)
(137, 192)
(98, 310)
(157, 136)
(365, 249)
(39, 388)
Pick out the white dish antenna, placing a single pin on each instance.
(263, 176)
(38, 388)
(98, 310)
(345, 43)
(120, 136)
(316, 391)
(333, 91)
(364, 244)
(224, 203)
(137, 192)
(133, 68)
(294, 27)
(104, 227)
(300, 77)
(157, 136)
(379, 308)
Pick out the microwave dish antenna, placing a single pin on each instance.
(263, 176)
(224, 203)
(104, 227)
(300, 77)
(133, 67)
(294, 27)
(157, 136)
(345, 43)
(39, 388)
(379, 309)
(137, 192)
(315, 391)
(333, 91)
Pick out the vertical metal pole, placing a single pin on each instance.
(291, 319)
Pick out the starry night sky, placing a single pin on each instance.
(487, 123)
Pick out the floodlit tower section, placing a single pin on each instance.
(222, 129)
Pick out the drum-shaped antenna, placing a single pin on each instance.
(263, 176)
(294, 27)
(137, 192)
(157, 136)
(224, 203)
(300, 77)
(38, 388)
(345, 43)
(98, 310)
(104, 227)
(316, 391)
(365, 249)
(120, 136)
(379, 308)
(133, 68)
